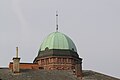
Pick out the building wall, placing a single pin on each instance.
(25, 66)
(59, 63)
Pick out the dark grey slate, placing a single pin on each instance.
(31, 74)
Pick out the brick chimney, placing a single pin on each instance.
(16, 62)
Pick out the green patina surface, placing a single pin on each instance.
(57, 40)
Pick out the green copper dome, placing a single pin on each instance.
(57, 40)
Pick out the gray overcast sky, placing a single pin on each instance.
(93, 25)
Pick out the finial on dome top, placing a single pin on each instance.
(56, 21)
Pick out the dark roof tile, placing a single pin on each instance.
(31, 74)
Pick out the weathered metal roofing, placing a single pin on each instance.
(31, 74)
(57, 52)
(57, 40)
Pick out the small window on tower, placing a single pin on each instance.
(73, 49)
(46, 48)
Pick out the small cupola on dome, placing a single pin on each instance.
(57, 40)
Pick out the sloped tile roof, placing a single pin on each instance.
(30, 74)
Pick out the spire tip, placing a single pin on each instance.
(56, 20)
